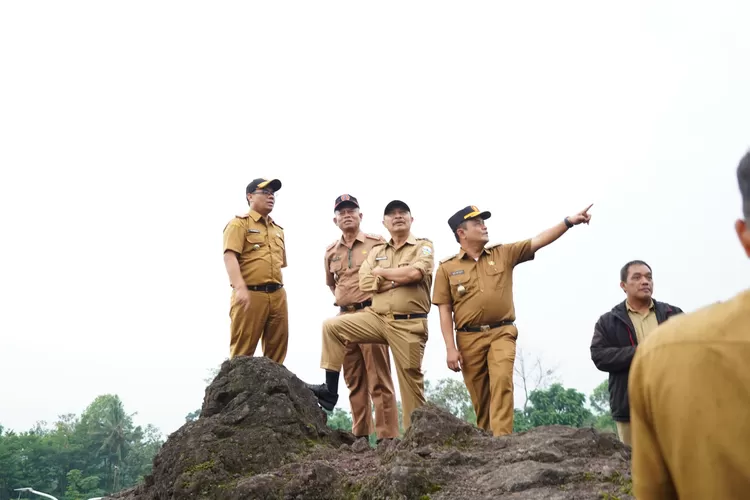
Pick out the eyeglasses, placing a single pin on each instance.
(266, 192)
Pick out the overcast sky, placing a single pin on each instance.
(128, 133)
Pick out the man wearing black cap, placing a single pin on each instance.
(399, 274)
(474, 293)
(367, 367)
(254, 255)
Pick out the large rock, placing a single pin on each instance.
(261, 435)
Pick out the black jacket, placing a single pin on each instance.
(613, 348)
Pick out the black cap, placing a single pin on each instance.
(343, 200)
(261, 183)
(465, 214)
(394, 205)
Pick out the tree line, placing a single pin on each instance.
(78, 457)
(102, 451)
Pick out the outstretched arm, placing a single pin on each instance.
(546, 237)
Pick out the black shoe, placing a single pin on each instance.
(325, 398)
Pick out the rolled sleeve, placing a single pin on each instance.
(368, 282)
(425, 261)
(234, 236)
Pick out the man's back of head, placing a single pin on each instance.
(743, 225)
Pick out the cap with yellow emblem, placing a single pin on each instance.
(465, 214)
(262, 183)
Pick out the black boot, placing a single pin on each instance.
(326, 399)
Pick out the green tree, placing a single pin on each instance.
(93, 455)
(451, 395)
(339, 419)
(554, 406)
(599, 401)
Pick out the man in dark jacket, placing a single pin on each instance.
(618, 332)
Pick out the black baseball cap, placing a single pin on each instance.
(465, 214)
(261, 183)
(345, 199)
(394, 205)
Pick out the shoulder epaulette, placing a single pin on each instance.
(493, 245)
(424, 239)
(277, 224)
(449, 258)
(242, 216)
(374, 237)
(331, 245)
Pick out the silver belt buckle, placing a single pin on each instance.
(484, 328)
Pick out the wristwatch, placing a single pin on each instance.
(568, 224)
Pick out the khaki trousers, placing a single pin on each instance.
(623, 432)
(367, 372)
(406, 338)
(266, 319)
(487, 369)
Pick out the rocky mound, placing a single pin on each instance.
(261, 435)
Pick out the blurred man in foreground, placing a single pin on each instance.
(690, 397)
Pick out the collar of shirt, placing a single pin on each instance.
(360, 237)
(462, 252)
(256, 217)
(630, 309)
(411, 240)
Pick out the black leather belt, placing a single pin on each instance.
(268, 287)
(356, 307)
(484, 328)
(409, 316)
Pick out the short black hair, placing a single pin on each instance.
(743, 178)
(626, 268)
(460, 226)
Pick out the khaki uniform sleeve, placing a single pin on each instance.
(651, 479)
(425, 261)
(368, 282)
(519, 252)
(329, 275)
(234, 236)
(283, 261)
(441, 291)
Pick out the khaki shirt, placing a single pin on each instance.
(409, 299)
(259, 244)
(488, 282)
(644, 323)
(342, 267)
(689, 390)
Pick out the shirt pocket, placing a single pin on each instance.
(496, 277)
(383, 261)
(458, 280)
(254, 241)
(335, 266)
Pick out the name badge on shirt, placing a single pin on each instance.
(253, 230)
(381, 258)
(460, 271)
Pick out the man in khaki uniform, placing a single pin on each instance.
(474, 294)
(254, 255)
(367, 367)
(690, 397)
(399, 274)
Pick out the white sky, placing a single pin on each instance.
(129, 131)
